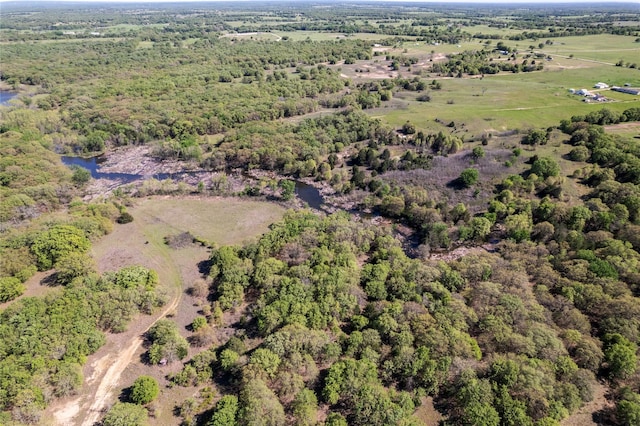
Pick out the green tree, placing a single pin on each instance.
(288, 189)
(126, 414)
(545, 167)
(57, 242)
(469, 177)
(166, 342)
(80, 176)
(73, 265)
(226, 412)
(10, 288)
(480, 228)
(477, 153)
(259, 406)
(305, 406)
(620, 354)
(628, 408)
(265, 360)
(144, 390)
(518, 227)
(536, 137)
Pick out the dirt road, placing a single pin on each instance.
(110, 380)
(120, 350)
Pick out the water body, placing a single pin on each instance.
(93, 165)
(306, 193)
(6, 96)
(310, 195)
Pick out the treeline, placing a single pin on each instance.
(480, 62)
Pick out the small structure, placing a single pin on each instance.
(584, 92)
(601, 85)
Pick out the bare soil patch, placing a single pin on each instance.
(427, 413)
(585, 415)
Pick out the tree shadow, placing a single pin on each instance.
(50, 280)
(125, 395)
(204, 267)
(605, 417)
(456, 184)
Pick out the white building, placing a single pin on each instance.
(601, 85)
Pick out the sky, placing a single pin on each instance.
(554, 2)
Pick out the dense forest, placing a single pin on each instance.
(487, 277)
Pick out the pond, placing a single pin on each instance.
(6, 96)
(304, 192)
(310, 195)
(93, 165)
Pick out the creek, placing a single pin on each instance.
(6, 96)
(304, 192)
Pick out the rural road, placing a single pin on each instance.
(110, 380)
(108, 369)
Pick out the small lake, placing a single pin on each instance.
(6, 96)
(93, 165)
(306, 193)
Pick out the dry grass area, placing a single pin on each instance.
(427, 413)
(440, 179)
(218, 220)
(624, 129)
(38, 285)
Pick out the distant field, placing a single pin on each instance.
(509, 101)
(603, 47)
(267, 36)
(506, 100)
(321, 36)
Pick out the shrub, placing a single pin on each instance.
(57, 242)
(125, 217)
(469, 177)
(10, 288)
(123, 413)
(545, 167)
(579, 153)
(145, 389)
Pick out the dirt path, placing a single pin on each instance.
(110, 380)
(120, 350)
(584, 416)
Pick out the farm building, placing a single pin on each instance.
(601, 85)
(629, 90)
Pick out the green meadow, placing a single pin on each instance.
(523, 100)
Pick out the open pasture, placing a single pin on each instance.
(606, 48)
(509, 101)
(512, 100)
(217, 220)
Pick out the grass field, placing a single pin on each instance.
(602, 47)
(219, 220)
(507, 101)
(323, 36)
(516, 101)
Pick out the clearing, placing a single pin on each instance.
(117, 363)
